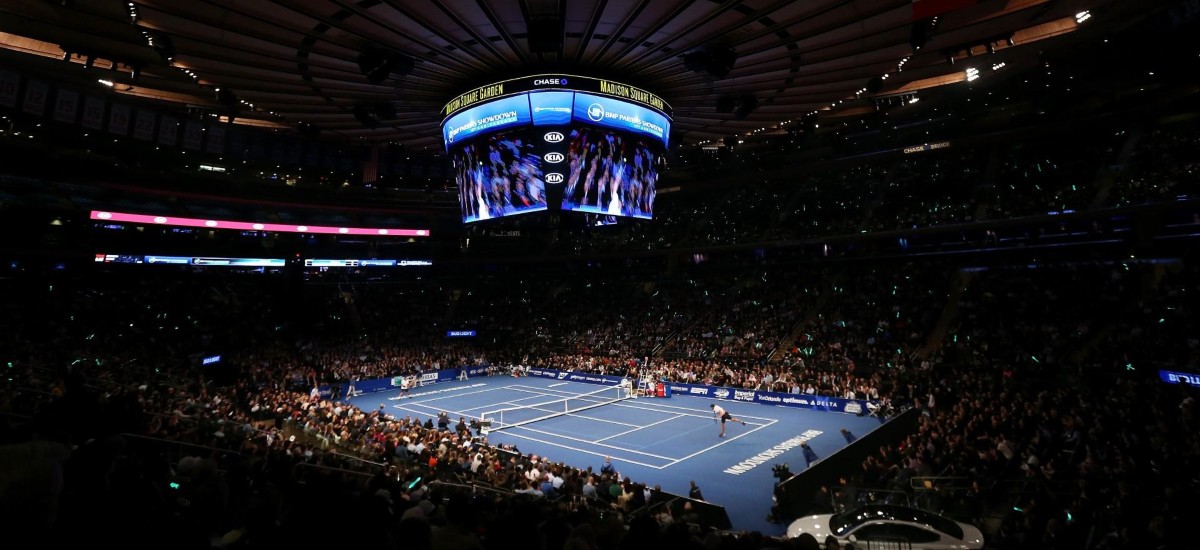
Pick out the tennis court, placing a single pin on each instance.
(666, 442)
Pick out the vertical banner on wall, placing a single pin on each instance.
(193, 134)
(216, 139)
(143, 127)
(35, 97)
(168, 131)
(10, 82)
(93, 113)
(66, 105)
(118, 120)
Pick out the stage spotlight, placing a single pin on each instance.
(716, 61)
(726, 104)
(875, 85)
(746, 105)
(378, 65)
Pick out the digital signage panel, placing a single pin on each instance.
(551, 108)
(499, 175)
(597, 143)
(620, 115)
(501, 113)
(611, 173)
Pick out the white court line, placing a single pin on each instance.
(641, 427)
(558, 384)
(581, 440)
(629, 404)
(460, 413)
(724, 441)
(484, 408)
(568, 447)
(657, 407)
(704, 414)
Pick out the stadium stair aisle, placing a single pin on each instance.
(798, 329)
(960, 280)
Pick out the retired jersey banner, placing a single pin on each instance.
(10, 82)
(168, 130)
(35, 97)
(143, 128)
(93, 113)
(193, 134)
(216, 140)
(66, 105)
(118, 120)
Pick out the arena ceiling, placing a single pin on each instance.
(727, 68)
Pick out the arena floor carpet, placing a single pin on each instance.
(657, 441)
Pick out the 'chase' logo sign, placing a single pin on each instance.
(553, 137)
(554, 157)
(549, 82)
(554, 177)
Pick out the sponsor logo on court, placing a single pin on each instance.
(554, 177)
(853, 408)
(739, 395)
(769, 454)
(563, 375)
(553, 137)
(699, 391)
(721, 394)
(554, 157)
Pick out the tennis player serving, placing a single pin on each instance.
(724, 415)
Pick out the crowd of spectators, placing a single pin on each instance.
(1041, 418)
(951, 186)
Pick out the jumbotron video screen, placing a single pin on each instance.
(585, 145)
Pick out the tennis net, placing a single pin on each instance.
(519, 415)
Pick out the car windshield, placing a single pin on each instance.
(847, 521)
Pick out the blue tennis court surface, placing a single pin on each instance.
(665, 442)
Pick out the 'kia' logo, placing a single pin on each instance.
(554, 177)
(554, 157)
(553, 137)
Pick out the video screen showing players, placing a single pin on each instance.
(611, 173)
(499, 175)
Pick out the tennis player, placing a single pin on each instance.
(724, 415)
(405, 384)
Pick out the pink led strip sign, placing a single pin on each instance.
(253, 226)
